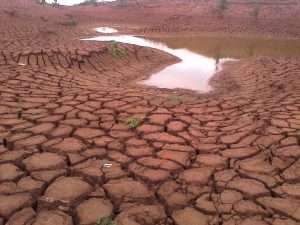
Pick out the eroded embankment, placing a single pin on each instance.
(144, 154)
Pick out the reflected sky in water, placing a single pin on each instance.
(74, 2)
(193, 72)
(106, 30)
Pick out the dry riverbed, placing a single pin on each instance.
(81, 140)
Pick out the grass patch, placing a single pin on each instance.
(222, 5)
(69, 23)
(256, 10)
(12, 13)
(116, 51)
(89, 2)
(105, 221)
(133, 123)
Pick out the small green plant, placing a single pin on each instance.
(178, 98)
(69, 23)
(55, 3)
(133, 122)
(105, 221)
(116, 51)
(89, 2)
(41, 2)
(256, 11)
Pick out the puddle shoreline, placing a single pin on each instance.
(193, 71)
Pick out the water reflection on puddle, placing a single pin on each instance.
(193, 72)
(74, 2)
(106, 30)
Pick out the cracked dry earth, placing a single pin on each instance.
(231, 157)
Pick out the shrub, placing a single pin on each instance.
(42, 2)
(105, 221)
(116, 51)
(221, 6)
(256, 10)
(89, 2)
(133, 122)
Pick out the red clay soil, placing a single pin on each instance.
(81, 140)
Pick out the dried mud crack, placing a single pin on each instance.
(69, 157)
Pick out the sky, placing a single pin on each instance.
(73, 2)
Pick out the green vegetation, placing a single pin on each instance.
(133, 122)
(89, 2)
(175, 98)
(221, 7)
(42, 2)
(116, 51)
(69, 23)
(55, 4)
(105, 221)
(256, 11)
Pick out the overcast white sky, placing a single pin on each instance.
(73, 2)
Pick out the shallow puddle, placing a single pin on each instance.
(106, 30)
(192, 72)
(73, 2)
(201, 57)
(234, 47)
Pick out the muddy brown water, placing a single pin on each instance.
(201, 57)
(234, 47)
